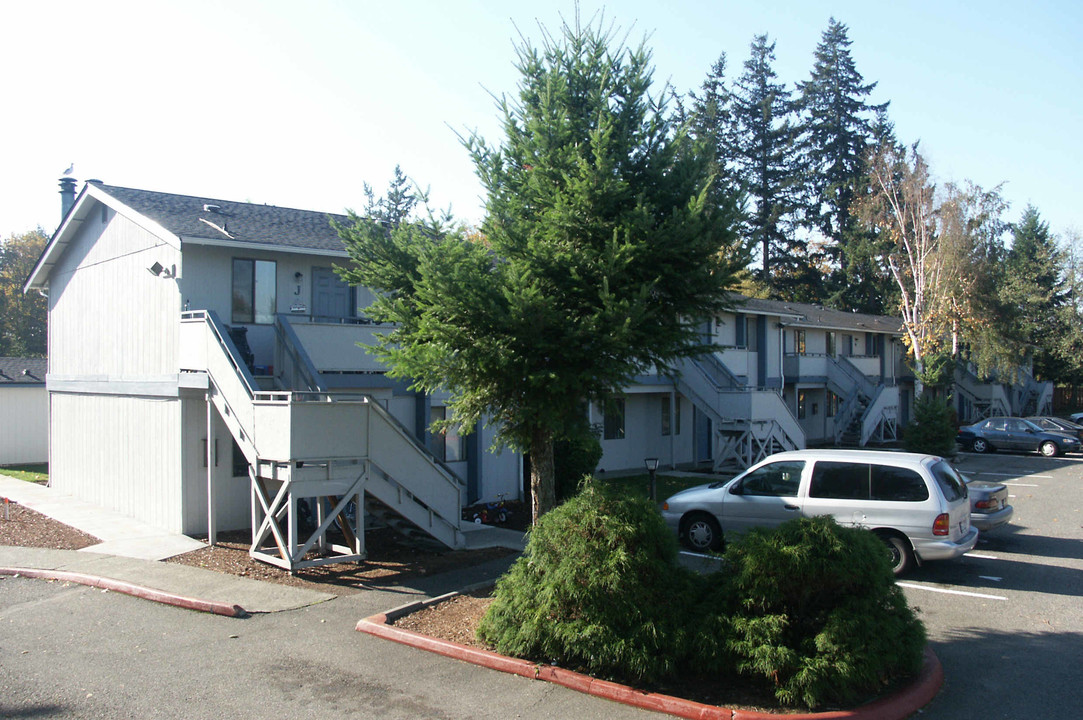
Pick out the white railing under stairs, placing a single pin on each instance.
(329, 450)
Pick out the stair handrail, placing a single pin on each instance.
(716, 371)
(878, 409)
(853, 373)
(289, 343)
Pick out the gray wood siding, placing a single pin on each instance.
(123, 453)
(24, 425)
(231, 493)
(108, 315)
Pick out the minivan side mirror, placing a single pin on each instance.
(737, 489)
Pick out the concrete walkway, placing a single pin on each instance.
(130, 551)
(119, 534)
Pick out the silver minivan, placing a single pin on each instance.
(917, 504)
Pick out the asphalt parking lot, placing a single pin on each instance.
(1006, 620)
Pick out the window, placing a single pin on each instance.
(898, 484)
(860, 481)
(240, 462)
(832, 405)
(950, 482)
(840, 480)
(799, 342)
(613, 419)
(781, 479)
(740, 328)
(255, 295)
(449, 445)
(801, 405)
(831, 343)
(751, 337)
(671, 424)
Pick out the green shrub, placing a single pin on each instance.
(597, 590)
(818, 613)
(932, 430)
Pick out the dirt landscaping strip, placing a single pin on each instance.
(897, 706)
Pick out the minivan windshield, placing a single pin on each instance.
(949, 480)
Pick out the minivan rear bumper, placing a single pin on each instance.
(946, 549)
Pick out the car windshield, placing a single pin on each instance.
(949, 480)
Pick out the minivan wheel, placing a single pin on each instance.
(980, 445)
(1048, 448)
(900, 553)
(700, 532)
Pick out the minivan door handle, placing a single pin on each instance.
(792, 507)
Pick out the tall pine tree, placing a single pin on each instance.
(837, 129)
(598, 254)
(1035, 288)
(764, 154)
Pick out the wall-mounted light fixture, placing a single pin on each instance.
(159, 270)
(298, 275)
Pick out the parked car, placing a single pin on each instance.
(1076, 417)
(1059, 425)
(989, 506)
(1009, 433)
(917, 504)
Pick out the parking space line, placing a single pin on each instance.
(700, 555)
(981, 557)
(915, 586)
(1043, 477)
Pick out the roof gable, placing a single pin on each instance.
(200, 220)
(211, 220)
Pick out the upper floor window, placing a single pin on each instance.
(799, 342)
(831, 343)
(255, 292)
(752, 339)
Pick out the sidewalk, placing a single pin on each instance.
(127, 558)
(120, 535)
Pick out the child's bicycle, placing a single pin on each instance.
(497, 512)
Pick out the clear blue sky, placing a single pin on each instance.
(300, 103)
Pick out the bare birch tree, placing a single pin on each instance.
(900, 207)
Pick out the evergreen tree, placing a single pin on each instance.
(711, 123)
(764, 153)
(837, 129)
(598, 253)
(1034, 286)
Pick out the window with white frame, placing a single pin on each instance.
(255, 291)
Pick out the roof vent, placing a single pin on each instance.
(212, 208)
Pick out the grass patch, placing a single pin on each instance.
(638, 486)
(35, 473)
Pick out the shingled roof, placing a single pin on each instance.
(805, 314)
(190, 217)
(23, 370)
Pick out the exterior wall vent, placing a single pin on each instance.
(212, 208)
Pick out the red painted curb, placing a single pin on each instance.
(160, 596)
(896, 706)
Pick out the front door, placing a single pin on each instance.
(331, 297)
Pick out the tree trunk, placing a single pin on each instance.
(542, 474)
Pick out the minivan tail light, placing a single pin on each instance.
(942, 524)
